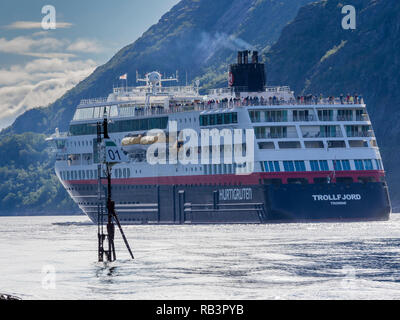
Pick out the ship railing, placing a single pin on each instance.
(157, 90)
(220, 91)
(336, 134)
(278, 89)
(325, 118)
(92, 101)
(303, 118)
(268, 135)
(221, 104)
(344, 118)
(363, 117)
(362, 134)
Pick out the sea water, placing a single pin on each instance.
(56, 258)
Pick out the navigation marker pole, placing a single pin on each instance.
(110, 155)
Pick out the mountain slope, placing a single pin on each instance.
(315, 55)
(196, 36)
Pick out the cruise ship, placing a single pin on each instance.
(247, 153)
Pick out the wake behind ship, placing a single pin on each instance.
(308, 158)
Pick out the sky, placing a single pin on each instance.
(37, 66)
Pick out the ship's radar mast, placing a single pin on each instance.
(154, 79)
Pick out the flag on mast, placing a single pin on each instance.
(125, 77)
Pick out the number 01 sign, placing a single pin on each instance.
(113, 153)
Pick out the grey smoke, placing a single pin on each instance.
(211, 43)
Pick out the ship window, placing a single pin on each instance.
(218, 119)
(347, 180)
(314, 165)
(337, 165)
(323, 164)
(83, 114)
(272, 181)
(266, 145)
(288, 165)
(368, 164)
(359, 164)
(228, 118)
(345, 115)
(302, 115)
(336, 144)
(300, 166)
(378, 164)
(297, 181)
(212, 119)
(358, 143)
(276, 116)
(97, 113)
(346, 165)
(255, 116)
(314, 144)
(325, 115)
(122, 126)
(271, 166)
(366, 179)
(289, 145)
(321, 180)
(340, 165)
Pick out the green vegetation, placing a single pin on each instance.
(29, 185)
(333, 51)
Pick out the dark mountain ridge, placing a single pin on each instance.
(314, 54)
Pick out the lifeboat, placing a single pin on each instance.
(132, 144)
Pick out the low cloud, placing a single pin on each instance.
(27, 25)
(53, 69)
(86, 46)
(36, 47)
(37, 84)
(40, 45)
